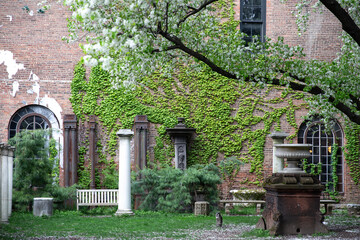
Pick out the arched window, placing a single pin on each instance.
(32, 117)
(323, 145)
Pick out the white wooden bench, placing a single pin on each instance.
(96, 197)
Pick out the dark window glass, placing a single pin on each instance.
(322, 141)
(252, 18)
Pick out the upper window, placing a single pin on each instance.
(32, 117)
(322, 150)
(252, 18)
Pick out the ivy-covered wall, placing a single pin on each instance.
(232, 120)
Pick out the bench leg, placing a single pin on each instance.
(328, 209)
(228, 206)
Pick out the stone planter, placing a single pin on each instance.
(293, 153)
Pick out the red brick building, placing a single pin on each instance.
(36, 69)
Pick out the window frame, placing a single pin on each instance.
(31, 110)
(337, 137)
(262, 21)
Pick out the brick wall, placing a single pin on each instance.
(48, 62)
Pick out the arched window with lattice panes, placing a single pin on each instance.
(32, 117)
(323, 141)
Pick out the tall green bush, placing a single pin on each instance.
(36, 172)
(174, 190)
(33, 167)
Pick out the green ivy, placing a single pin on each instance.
(230, 118)
(331, 185)
(352, 151)
(312, 168)
(84, 178)
(54, 158)
(229, 169)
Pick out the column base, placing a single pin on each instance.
(124, 212)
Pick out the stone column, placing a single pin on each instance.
(278, 138)
(10, 171)
(74, 154)
(124, 194)
(70, 150)
(66, 156)
(92, 125)
(4, 184)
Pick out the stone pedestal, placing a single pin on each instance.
(201, 208)
(124, 194)
(43, 206)
(292, 205)
(278, 138)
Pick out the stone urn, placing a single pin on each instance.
(293, 154)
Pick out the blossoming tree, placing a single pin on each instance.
(134, 38)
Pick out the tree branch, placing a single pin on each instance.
(196, 10)
(291, 84)
(348, 24)
(352, 97)
(196, 55)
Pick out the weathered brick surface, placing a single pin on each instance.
(35, 41)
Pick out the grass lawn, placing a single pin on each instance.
(67, 224)
(94, 224)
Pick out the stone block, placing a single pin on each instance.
(43, 206)
(201, 208)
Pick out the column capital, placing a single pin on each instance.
(141, 122)
(4, 151)
(278, 135)
(70, 121)
(125, 133)
(11, 150)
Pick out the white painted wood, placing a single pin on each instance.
(96, 197)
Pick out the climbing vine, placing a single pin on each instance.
(352, 151)
(54, 158)
(230, 118)
(331, 185)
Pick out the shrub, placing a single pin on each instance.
(174, 190)
(36, 169)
